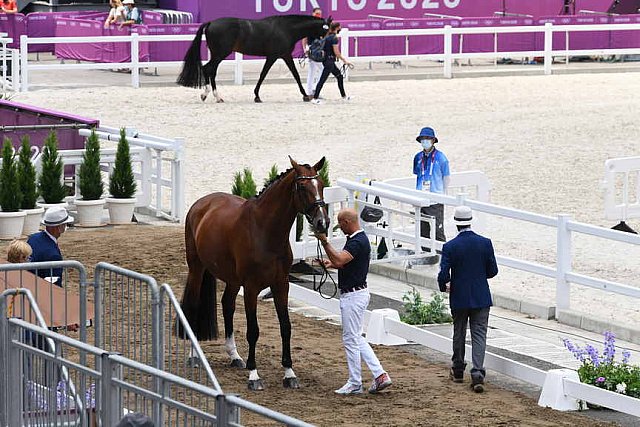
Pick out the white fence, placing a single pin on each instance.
(492, 361)
(9, 65)
(159, 172)
(447, 57)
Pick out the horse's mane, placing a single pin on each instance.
(278, 178)
(293, 18)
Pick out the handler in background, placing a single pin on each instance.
(431, 168)
(468, 261)
(352, 263)
(315, 68)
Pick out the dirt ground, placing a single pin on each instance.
(421, 394)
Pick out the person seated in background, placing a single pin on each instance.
(9, 6)
(132, 14)
(45, 243)
(18, 252)
(117, 13)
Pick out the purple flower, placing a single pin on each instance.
(600, 380)
(593, 355)
(626, 355)
(609, 347)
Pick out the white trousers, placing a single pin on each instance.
(313, 75)
(352, 308)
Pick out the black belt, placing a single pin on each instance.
(355, 288)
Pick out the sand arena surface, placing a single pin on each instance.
(542, 141)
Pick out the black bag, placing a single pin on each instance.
(371, 214)
(316, 50)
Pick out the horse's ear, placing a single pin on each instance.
(294, 164)
(329, 19)
(319, 165)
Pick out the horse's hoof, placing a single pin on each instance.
(203, 97)
(255, 385)
(220, 101)
(291, 382)
(307, 98)
(257, 99)
(193, 362)
(238, 363)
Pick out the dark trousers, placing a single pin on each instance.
(478, 319)
(436, 211)
(330, 67)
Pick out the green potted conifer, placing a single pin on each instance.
(91, 205)
(11, 217)
(122, 185)
(28, 189)
(50, 180)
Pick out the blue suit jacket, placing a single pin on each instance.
(45, 249)
(467, 262)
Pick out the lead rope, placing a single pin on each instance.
(323, 277)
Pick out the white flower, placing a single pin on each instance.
(621, 388)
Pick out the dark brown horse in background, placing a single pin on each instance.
(273, 37)
(246, 243)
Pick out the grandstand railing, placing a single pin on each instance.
(447, 56)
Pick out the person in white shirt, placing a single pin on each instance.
(116, 14)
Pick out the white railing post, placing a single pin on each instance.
(178, 181)
(24, 64)
(448, 36)
(344, 49)
(158, 154)
(15, 70)
(238, 77)
(563, 263)
(135, 60)
(548, 47)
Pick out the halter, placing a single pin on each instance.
(316, 204)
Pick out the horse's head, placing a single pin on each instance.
(308, 196)
(320, 27)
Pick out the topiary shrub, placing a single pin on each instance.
(10, 196)
(91, 185)
(50, 180)
(417, 312)
(27, 176)
(243, 184)
(272, 175)
(122, 183)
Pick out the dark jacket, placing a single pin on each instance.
(45, 249)
(467, 262)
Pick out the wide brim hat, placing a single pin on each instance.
(56, 215)
(427, 132)
(462, 215)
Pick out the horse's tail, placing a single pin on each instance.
(199, 306)
(192, 74)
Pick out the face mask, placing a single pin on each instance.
(427, 144)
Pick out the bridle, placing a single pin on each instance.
(317, 204)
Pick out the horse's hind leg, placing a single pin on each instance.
(280, 299)
(228, 309)
(267, 66)
(210, 71)
(292, 67)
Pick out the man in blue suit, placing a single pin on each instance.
(467, 262)
(45, 243)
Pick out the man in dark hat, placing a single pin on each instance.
(431, 168)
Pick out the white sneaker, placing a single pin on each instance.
(349, 388)
(316, 101)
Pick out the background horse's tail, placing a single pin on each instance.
(192, 74)
(198, 302)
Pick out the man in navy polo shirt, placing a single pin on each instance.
(45, 243)
(352, 263)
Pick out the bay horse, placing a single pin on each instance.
(245, 243)
(272, 37)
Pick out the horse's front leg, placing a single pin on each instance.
(280, 299)
(265, 69)
(253, 332)
(228, 310)
(292, 67)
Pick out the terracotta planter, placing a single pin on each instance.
(121, 210)
(11, 224)
(32, 220)
(90, 212)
